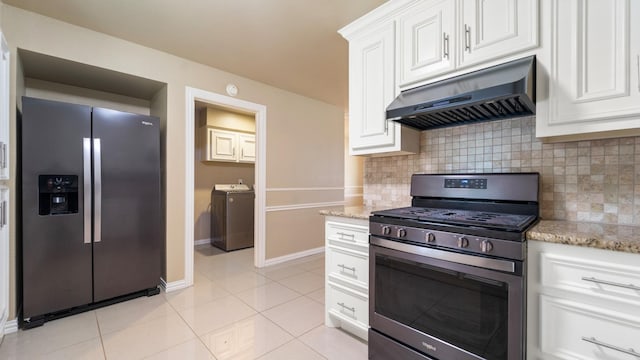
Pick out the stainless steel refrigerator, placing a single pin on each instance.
(92, 227)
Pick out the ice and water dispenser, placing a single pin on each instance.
(58, 194)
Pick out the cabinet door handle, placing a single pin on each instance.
(445, 45)
(638, 65)
(344, 267)
(2, 155)
(3, 211)
(345, 307)
(612, 347)
(605, 282)
(233, 152)
(343, 235)
(467, 38)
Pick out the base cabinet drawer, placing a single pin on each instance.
(348, 309)
(347, 233)
(609, 280)
(350, 266)
(573, 330)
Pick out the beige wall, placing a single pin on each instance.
(208, 173)
(304, 137)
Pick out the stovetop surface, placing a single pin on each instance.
(483, 219)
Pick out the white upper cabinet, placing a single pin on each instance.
(371, 76)
(372, 85)
(221, 145)
(4, 108)
(593, 66)
(230, 146)
(247, 144)
(440, 36)
(490, 29)
(427, 41)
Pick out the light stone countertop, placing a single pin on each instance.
(353, 212)
(601, 236)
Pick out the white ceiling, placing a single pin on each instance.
(290, 44)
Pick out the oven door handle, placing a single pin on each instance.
(493, 264)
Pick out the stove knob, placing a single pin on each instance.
(402, 233)
(386, 230)
(463, 242)
(486, 246)
(429, 237)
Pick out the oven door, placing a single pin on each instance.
(436, 302)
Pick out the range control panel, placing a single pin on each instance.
(465, 183)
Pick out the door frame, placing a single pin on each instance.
(260, 113)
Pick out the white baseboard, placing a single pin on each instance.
(173, 286)
(11, 326)
(294, 256)
(201, 242)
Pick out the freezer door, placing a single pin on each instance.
(56, 258)
(128, 224)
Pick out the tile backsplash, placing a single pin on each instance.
(597, 180)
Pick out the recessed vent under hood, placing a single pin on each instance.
(499, 92)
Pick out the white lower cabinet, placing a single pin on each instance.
(575, 330)
(4, 258)
(347, 275)
(583, 303)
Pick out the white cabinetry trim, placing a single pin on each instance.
(173, 286)
(11, 326)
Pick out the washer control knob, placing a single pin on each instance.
(463, 242)
(429, 237)
(402, 233)
(486, 246)
(386, 230)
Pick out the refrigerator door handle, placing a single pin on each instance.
(97, 183)
(86, 160)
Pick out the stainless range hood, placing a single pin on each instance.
(499, 92)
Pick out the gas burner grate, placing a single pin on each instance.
(494, 220)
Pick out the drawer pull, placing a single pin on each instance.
(612, 347)
(343, 235)
(344, 267)
(345, 307)
(605, 282)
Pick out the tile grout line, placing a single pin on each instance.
(104, 350)
(190, 328)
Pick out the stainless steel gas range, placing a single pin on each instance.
(448, 274)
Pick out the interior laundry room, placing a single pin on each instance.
(225, 162)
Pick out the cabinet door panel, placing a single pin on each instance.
(247, 144)
(494, 28)
(426, 41)
(4, 258)
(4, 109)
(569, 329)
(223, 145)
(371, 88)
(592, 76)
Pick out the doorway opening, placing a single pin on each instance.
(196, 98)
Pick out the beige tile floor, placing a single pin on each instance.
(233, 311)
